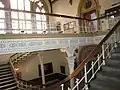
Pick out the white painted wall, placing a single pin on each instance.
(29, 67)
(4, 58)
(63, 6)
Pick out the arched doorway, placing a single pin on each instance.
(89, 9)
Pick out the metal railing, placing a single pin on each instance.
(105, 48)
(86, 70)
(21, 84)
(27, 22)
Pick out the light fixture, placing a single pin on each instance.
(17, 69)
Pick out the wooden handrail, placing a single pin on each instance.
(48, 14)
(58, 15)
(102, 17)
(81, 65)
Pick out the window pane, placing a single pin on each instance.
(28, 16)
(2, 24)
(14, 15)
(43, 18)
(27, 5)
(40, 4)
(20, 5)
(15, 24)
(43, 10)
(39, 25)
(13, 4)
(28, 25)
(21, 15)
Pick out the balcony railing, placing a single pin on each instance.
(27, 22)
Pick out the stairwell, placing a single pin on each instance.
(109, 76)
(7, 80)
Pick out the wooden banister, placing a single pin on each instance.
(48, 14)
(81, 65)
(58, 15)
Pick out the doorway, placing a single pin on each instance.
(92, 25)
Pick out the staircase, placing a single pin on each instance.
(109, 77)
(7, 81)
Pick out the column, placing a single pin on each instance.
(70, 59)
(42, 68)
(71, 68)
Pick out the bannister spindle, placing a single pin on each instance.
(62, 85)
(85, 73)
(98, 62)
(92, 68)
(103, 53)
(77, 82)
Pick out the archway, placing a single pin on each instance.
(89, 9)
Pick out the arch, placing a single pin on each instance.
(89, 12)
(85, 51)
(95, 6)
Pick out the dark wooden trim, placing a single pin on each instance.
(51, 6)
(48, 14)
(105, 16)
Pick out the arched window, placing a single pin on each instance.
(20, 21)
(26, 22)
(41, 19)
(2, 20)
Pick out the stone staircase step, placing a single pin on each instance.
(2, 73)
(4, 69)
(12, 88)
(116, 54)
(115, 57)
(110, 75)
(104, 75)
(8, 85)
(109, 69)
(7, 82)
(104, 84)
(6, 78)
(117, 49)
(6, 75)
(112, 61)
(4, 65)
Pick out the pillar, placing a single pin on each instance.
(70, 60)
(42, 68)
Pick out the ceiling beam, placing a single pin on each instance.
(51, 6)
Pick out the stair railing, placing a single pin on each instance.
(105, 47)
(22, 84)
(107, 44)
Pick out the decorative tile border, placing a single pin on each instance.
(33, 44)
